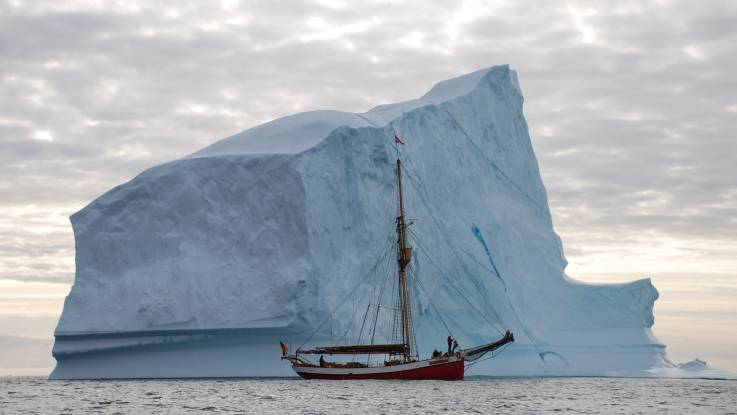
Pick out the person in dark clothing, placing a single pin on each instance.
(455, 345)
(284, 349)
(450, 344)
(322, 361)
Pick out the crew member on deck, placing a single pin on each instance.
(455, 345)
(322, 361)
(450, 344)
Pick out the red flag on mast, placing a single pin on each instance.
(397, 140)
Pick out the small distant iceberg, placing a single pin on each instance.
(694, 365)
(692, 369)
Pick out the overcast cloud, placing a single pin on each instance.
(632, 108)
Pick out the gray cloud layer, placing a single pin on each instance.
(632, 105)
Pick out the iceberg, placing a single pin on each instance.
(200, 266)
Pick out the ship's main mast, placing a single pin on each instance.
(449, 366)
(404, 256)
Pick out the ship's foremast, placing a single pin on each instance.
(404, 256)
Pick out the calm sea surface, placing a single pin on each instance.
(278, 396)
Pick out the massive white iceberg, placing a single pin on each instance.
(198, 267)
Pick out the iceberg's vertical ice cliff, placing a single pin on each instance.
(198, 267)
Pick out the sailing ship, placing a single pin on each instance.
(401, 359)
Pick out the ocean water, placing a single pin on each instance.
(280, 396)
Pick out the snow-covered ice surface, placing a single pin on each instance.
(198, 267)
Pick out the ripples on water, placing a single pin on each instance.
(278, 396)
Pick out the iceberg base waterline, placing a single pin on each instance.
(242, 353)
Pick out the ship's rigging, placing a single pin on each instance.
(399, 349)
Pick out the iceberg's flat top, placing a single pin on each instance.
(298, 132)
(290, 134)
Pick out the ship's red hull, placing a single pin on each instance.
(427, 370)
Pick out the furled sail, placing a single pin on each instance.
(397, 348)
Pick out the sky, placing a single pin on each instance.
(632, 109)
